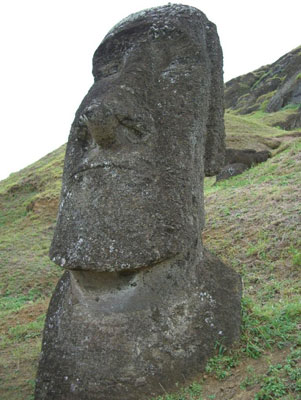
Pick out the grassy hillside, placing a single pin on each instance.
(259, 130)
(253, 224)
(28, 205)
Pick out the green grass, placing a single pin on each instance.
(273, 119)
(253, 224)
(248, 125)
(222, 364)
(282, 380)
(266, 326)
(243, 131)
(27, 276)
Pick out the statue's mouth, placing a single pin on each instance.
(105, 165)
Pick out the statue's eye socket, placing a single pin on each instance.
(135, 131)
(82, 121)
(82, 134)
(108, 70)
(135, 136)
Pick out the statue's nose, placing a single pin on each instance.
(101, 123)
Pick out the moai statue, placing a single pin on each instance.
(142, 303)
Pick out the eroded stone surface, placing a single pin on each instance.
(132, 185)
(141, 307)
(112, 337)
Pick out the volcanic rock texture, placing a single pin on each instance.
(142, 303)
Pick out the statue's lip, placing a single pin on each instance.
(106, 165)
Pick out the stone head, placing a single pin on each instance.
(134, 167)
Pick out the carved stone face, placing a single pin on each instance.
(132, 185)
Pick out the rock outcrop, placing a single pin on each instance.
(231, 170)
(237, 161)
(270, 88)
(249, 157)
(142, 303)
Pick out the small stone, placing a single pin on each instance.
(231, 170)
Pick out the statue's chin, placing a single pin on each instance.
(116, 218)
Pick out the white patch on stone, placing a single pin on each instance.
(73, 387)
(61, 205)
(127, 88)
(208, 297)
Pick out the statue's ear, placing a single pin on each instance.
(215, 133)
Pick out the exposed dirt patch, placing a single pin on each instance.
(43, 206)
(230, 389)
(28, 313)
(289, 136)
(17, 371)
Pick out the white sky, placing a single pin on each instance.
(47, 48)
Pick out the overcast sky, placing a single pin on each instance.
(47, 48)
